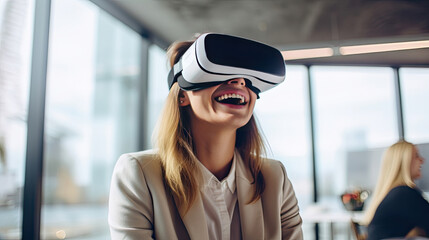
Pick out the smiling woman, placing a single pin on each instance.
(208, 178)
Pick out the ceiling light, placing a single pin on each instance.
(307, 53)
(383, 47)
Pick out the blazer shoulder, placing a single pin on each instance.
(143, 158)
(138, 170)
(143, 161)
(274, 162)
(274, 173)
(272, 166)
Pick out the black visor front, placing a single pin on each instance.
(237, 52)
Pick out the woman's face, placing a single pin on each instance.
(416, 164)
(229, 104)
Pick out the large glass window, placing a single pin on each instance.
(354, 109)
(283, 114)
(415, 97)
(157, 87)
(354, 120)
(92, 116)
(16, 24)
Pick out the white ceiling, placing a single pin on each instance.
(294, 24)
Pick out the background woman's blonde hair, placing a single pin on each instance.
(174, 143)
(395, 170)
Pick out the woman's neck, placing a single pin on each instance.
(214, 148)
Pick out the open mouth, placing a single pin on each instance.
(234, 99)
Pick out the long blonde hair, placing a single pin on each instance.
(395, 171)
(174, 143)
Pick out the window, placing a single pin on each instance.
(415, 96)
(354, 120)
(157, 86)
(354, 111)
(284, 119)
(15, 54)
(283, 116)
(92, 116)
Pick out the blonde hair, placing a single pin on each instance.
(174, 143)
(395, 171)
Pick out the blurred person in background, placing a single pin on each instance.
(398, 206)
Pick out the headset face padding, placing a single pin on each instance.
(215, 58)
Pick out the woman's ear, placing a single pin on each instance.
(183, 98)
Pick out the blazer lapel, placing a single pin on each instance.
(251, 215)
(195, 220)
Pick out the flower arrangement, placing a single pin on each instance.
(354, 201)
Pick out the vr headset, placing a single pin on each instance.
(215, 58)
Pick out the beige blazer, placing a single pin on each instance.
(140, 207)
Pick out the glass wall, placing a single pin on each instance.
(92, 116)
(157, 87)
(415, 96)
(283, 116)
(16, 22)
(354, 120)
(354, 111)
(284, 119)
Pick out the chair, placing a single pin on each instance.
(359, 231)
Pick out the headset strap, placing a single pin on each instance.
(174, 73)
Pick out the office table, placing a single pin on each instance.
(322, 214)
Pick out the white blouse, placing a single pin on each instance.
(220, 204)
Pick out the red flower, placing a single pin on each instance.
(346, 198)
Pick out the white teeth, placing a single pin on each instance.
(233, 95)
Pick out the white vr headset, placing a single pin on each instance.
(215, 58)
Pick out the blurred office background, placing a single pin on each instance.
(329, 122)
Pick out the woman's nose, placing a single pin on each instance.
(239, 81)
